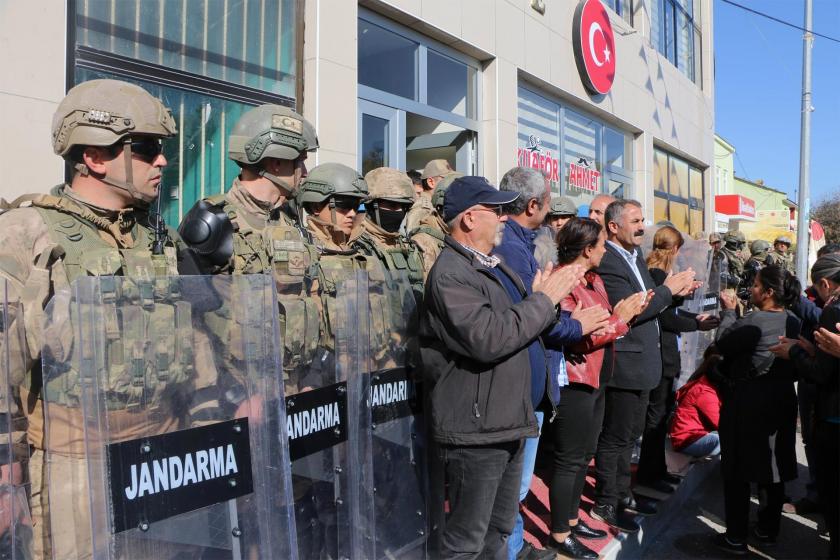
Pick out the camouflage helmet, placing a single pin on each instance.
(331, 179)
(269, 131)
(310, 136)
(734, 236)
(441, 186)
(102, 112)
(562, 206)
(387, 183)
(759, 246)
(783, 239)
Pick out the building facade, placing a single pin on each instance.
(485, 84)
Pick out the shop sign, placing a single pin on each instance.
(534, 156)
(584, 177)
(735, 205)
(594, 44)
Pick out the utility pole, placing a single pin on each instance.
(803, 222)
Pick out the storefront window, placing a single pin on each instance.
(208, 61)
(387, 61)
(582, 156)
(678, 192)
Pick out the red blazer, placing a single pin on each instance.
(697, 413)
(585, 358)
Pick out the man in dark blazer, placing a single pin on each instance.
(637, 364)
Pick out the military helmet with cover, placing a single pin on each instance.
(387, 183)
(759, 246)
(331, 179)
(562, 206)
(103, 113)
(783, 239)
(734, 237)
(440, 189)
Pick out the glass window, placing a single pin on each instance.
(624, 8)
(450, 85)
(387, 61)
(582, 165)
(539, 134)
(678, 194)
(617, 145)
(675, 33)
(246, 43)
(374, 143)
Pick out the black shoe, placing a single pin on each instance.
(639, 507)
(571, 548)
(608, 515)
(672, 479)
(584, 531)
(657, 486)
(732, 547)
(528, 552)
(763, 538)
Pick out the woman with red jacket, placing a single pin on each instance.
(581, 409)
(696, 418)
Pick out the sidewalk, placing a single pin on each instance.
(686, 522)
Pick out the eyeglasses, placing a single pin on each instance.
(147, 149)
(495, 209)
(346, 203)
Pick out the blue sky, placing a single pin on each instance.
(758, 92)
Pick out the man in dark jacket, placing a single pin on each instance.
(637, 361)
(525, 216)
(474, 345)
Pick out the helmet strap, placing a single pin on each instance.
(280, 183)
(128, 184)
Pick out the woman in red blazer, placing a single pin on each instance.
(581, 409)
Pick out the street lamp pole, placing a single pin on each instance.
(803, 222)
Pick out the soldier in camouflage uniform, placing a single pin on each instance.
(100, 224)
(758, 260)
(734, 242)
(430, 230)
(251, 229)
(781, 255)
(434, 172)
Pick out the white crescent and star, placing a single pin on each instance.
(596, 28)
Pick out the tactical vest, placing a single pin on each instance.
(156, 319)
(280, 249)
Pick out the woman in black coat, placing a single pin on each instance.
(653, 471)
(758, 411)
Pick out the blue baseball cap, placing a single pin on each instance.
(465, 192)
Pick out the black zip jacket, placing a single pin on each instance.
(474, 346)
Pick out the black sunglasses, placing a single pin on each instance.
(346, 203)
(147, 149)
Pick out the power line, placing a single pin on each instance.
(783, 22)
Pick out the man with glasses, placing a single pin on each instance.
(474, 344)
(110, 134)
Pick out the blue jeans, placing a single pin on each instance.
(528, 460)
(706, 445)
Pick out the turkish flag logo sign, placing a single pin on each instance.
(594, 45)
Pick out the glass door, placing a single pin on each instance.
(381, 132)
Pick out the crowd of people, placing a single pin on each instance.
(527, 319)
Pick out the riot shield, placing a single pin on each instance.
(165, 419)
(397, 429)
(15, 517)
(328, 423)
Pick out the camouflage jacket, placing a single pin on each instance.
(428, 236)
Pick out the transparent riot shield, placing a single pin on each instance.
(165, 420)
(16, 539)
(397, 429)
(327, 421)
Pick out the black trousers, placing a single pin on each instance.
(576, 429)
(652, 464)
(483, 499)
(736, 498)
(827, 443)
(624, 417)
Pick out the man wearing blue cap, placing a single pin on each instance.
(474, 342)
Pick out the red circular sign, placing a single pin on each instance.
(594, 46)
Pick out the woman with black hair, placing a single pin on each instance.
(581, 409)
(821, 366)
(758, 411)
